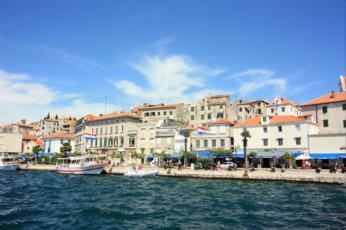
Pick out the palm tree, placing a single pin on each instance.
(186, 134)
(245, 134)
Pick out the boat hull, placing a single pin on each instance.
(87, 170)
(141, 174)
(9, 167)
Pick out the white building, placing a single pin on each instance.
(10, 143)
(53, 142)
(281, 134)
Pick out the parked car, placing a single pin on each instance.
(228, 164)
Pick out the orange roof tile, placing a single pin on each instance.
(286, 119)
(328, 98)
(59, 135)
(23, 125)
(89, 117)
(251, 122)
(116, 116)
(259, 100)
(29, 137)
(222, 121)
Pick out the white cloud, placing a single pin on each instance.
(21, 97)
(169, 79)
(254, 79)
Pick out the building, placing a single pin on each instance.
(18, 128)
(156, 112)
(53, 142)
(328, 112)
(218, 136)
(115, 132)
(282, 106)
(10, 143)
(54, 123)
(272, 136)
(69, 125)
(29, 141)
(80, 129)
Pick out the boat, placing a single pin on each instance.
(88, 164)
(139, 172)
(8, 163)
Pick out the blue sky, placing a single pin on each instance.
(64, 56)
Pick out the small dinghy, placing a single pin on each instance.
(139, 172)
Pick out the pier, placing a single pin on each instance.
(290, 175)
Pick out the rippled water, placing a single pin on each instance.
(47, 200)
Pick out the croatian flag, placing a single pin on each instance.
(203, 130)
(89, 136)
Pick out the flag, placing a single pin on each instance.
(203, 130)
(89, 136)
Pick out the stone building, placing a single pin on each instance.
(156, 112)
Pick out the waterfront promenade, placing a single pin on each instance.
(293, 175)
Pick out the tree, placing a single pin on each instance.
(186, 134)
(37, 148)
(288, 158)
(66, 147)
(56, 117)
(245, 134)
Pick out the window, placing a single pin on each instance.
(202, 117)
(265, 142)
(298, 140)
(202, 107)
(152, 114)
(164, 113)
(192, 117)
(132, 141)
(264, 119)
(101, 131)
(265, 129)
(325, 109)
(280, 128)
(61, 141)
(192, 109)
(197, 143)
(343, 106)
(325, 123)
(170, 112)
(219, 115)
(209, 107)
(146, 114)
(259, 111)
(297, 127)
(209, 115)
(214, 143)
(232, 140)
(344, 123)
(111, 132)
(122, 128)
(205, 143)
(158, 113)
(280, 141)
(282, 109)
(272, 110)
(222, 143)
(240, 109)
(106, 131)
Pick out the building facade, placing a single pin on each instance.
(10, 143)
(156, 112)
(53, 142)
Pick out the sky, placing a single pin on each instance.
(69, 57)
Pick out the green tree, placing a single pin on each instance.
(66, 147)
(37, 148)
(289, 158)
(222, 152)
(245, 134)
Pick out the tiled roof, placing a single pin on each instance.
(222, 121)
(90, 117)
(29, 137)
(251, 122)
(156, 106)
(279, 119)
(59, 135)
(259, 100)
(328, 98)
(116, 116)
(284, 101)
(286, 119)
(23, 125)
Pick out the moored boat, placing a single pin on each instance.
(8, 163)
(89, 164)
(138, 171)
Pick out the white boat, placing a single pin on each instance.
(140, 172)
(89, 164)
(8, 163)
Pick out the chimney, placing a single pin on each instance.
(332, 94)
(23, 121)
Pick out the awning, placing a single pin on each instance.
(24, 155)
(150, 156)
(327, 155)
(270, 154)
(238, 155)
(204, 154)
